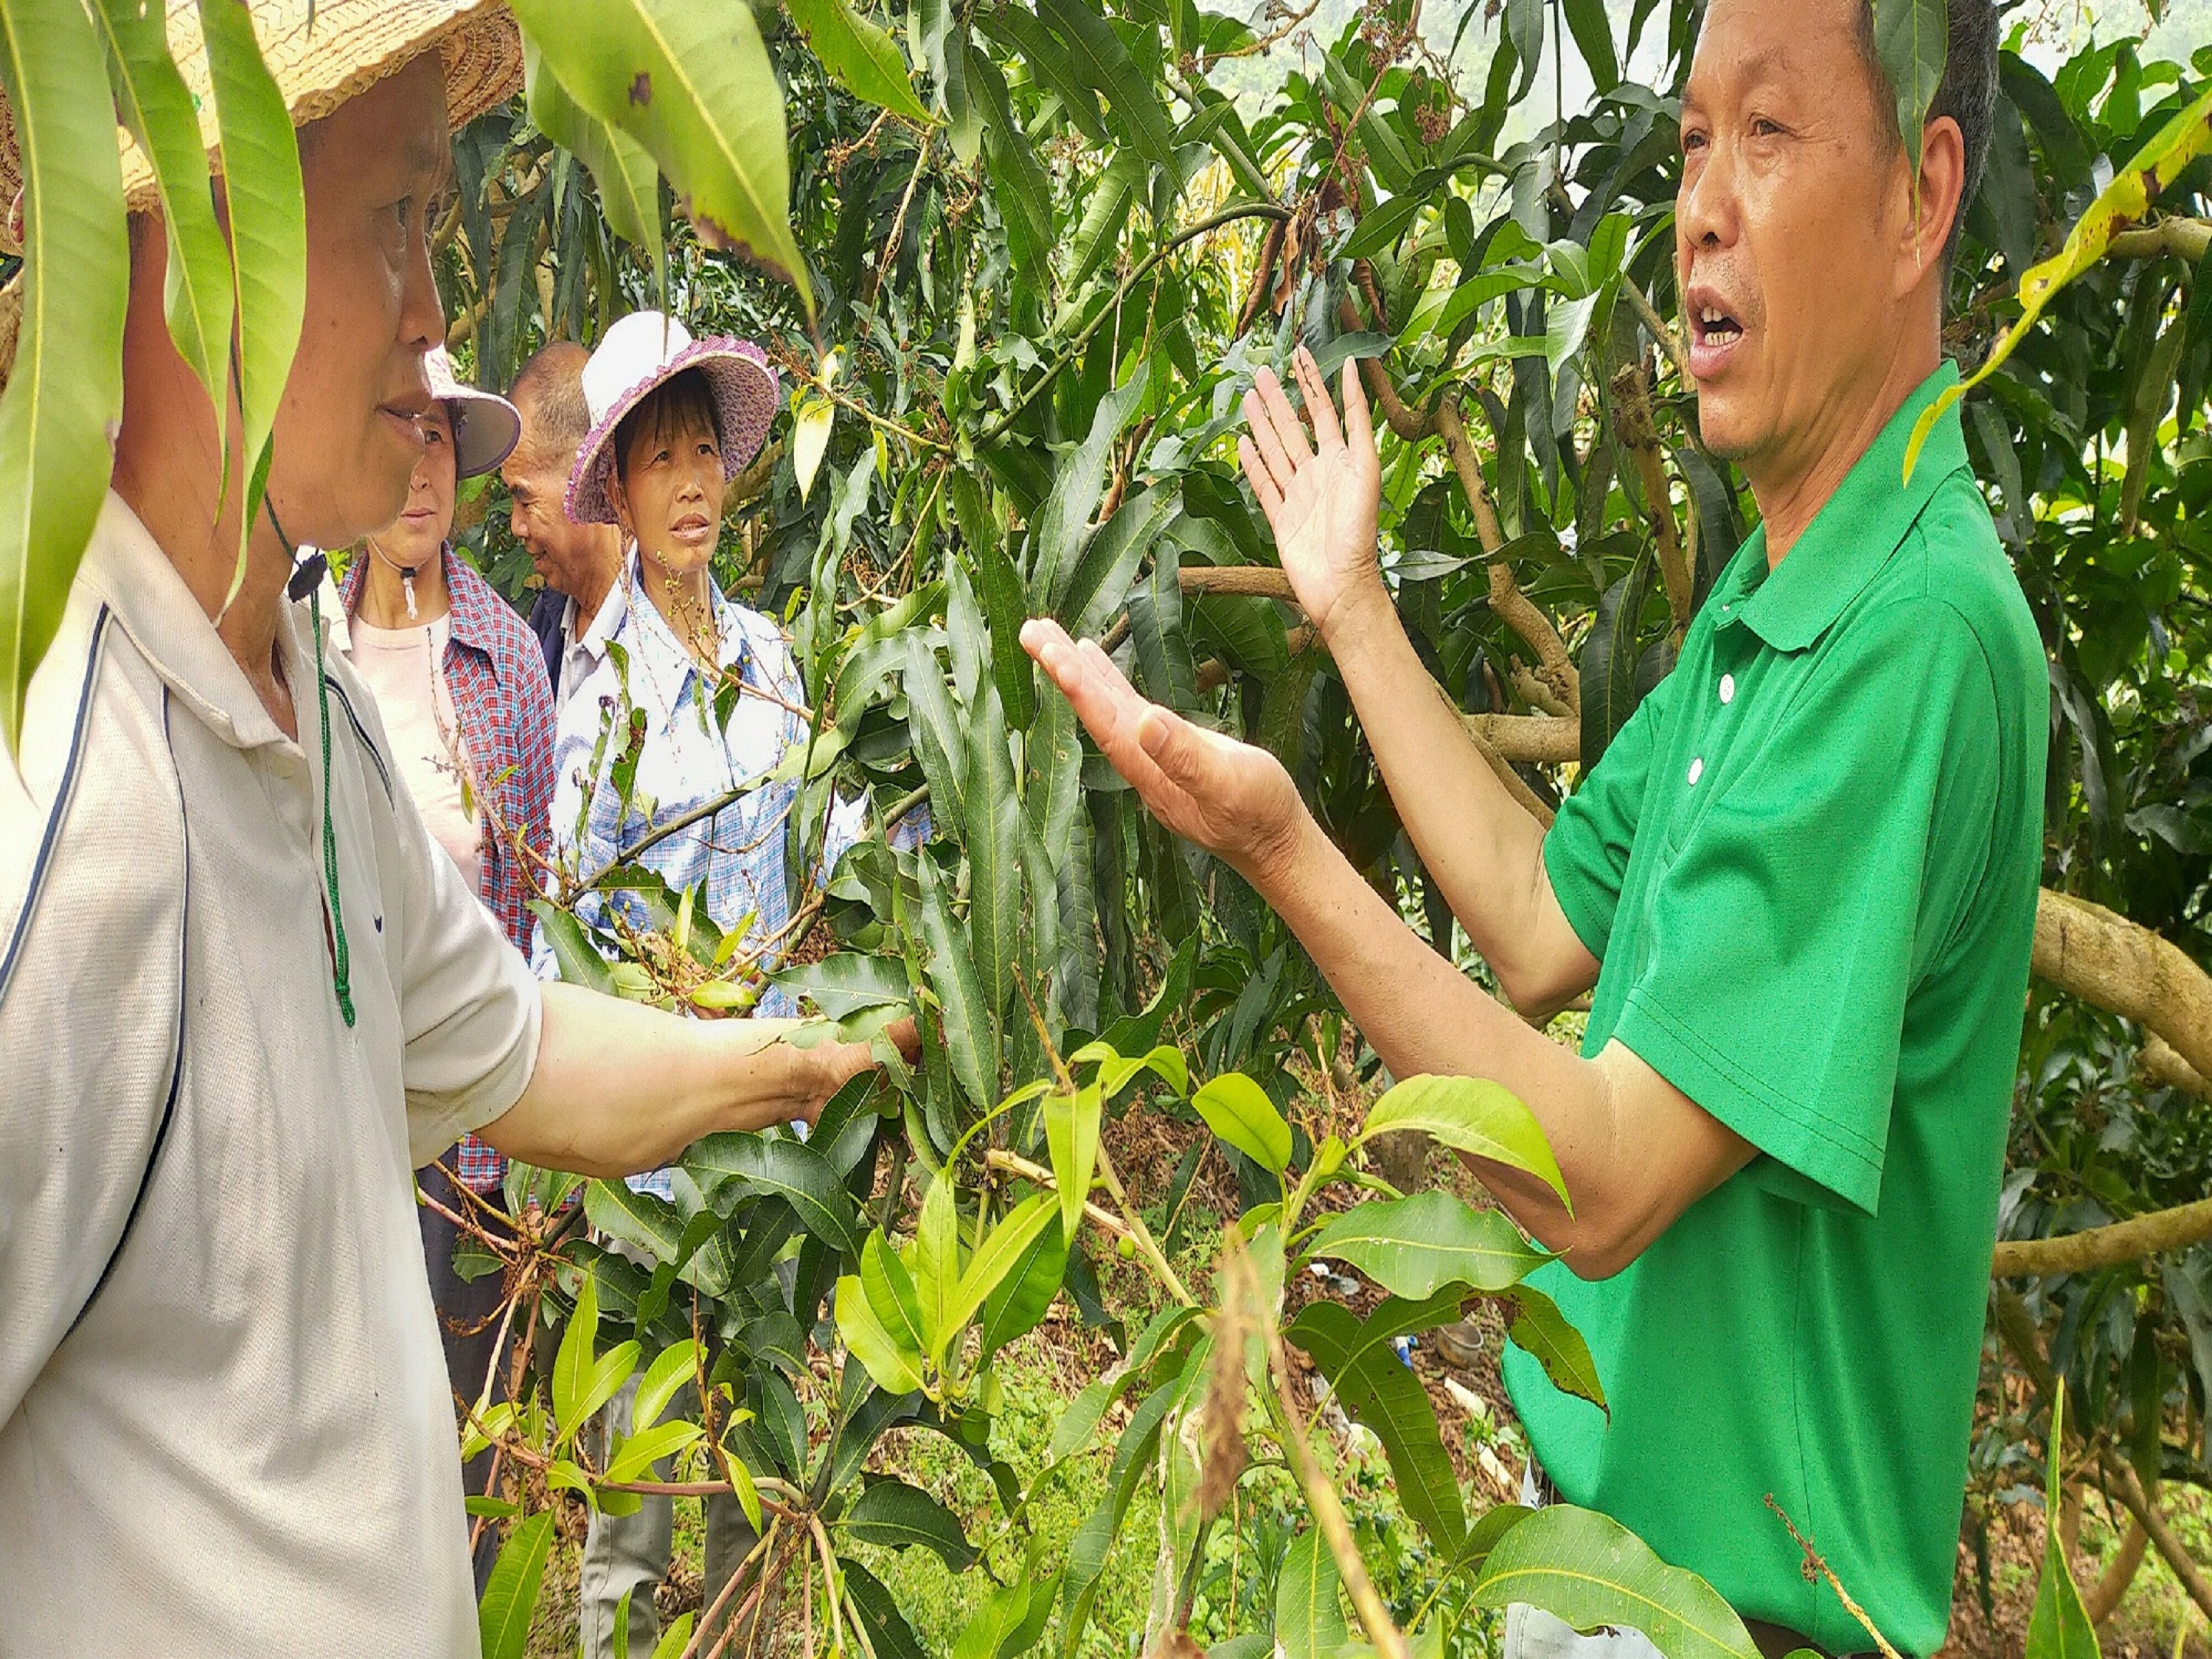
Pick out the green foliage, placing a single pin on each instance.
(65, 392)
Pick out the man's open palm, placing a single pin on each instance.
(1320, 499)
(1231, 797)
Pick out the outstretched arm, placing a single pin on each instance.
(620, 1087)
(1634, 1150)
(1478, 846)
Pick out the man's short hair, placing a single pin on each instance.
(551, 387)
(1967, 93)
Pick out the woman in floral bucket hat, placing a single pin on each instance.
(712, 689)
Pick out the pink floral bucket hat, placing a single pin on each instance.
(646, 350)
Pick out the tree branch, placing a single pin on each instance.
(2102, 958)
(2187, 237)
(2101, 1247)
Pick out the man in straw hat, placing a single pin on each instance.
(244, 995)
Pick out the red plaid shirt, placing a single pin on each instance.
(495, 674)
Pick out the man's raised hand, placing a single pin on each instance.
(1320, 499)
(1231, 797)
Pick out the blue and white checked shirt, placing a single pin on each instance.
(736, 857)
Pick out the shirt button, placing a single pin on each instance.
(1697, 770)
(1728, 687)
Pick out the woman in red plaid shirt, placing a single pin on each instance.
(460, 682)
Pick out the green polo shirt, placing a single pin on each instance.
(1808, 865)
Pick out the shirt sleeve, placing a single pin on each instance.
(470, 1010)
(1810, 894)
(1586, 849)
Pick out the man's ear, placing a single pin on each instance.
(1938, 202)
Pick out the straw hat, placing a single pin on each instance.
(486, 427)
(346, 48)
(646, 350)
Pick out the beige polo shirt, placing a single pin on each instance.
(225, 1426)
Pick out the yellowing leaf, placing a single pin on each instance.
(810, 440)
(2121, 203)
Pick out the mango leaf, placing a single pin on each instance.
(1025, 1294)
(1099, 584)
(1380, 1391)
(582, 1382)
(1006, 608)
(1063, 524)
(1048, 61)
(791, 1169)
(810, 440)
(895, 1516)
(890, 1291)
(895, 1365)
(842, 985)
(153, 101)
(268, 213)
(1609, 658)
(2119, 204)
(859, 56)
(1586, 23)
(579, 962)
(1071, 1131)
(971, 1028)
(510, 1597)
(676, 1641)
(671, 1368)
(639, 1452)
(2058, 1625)
(1094, 1539)
(1912, 38)
(994, 851)
(935, 727)
(1308, 1616)
(1023, 188)
(645, 1221)
(64, 394)
(1096, 57)
(1470, 1115)
(890, 1635)
(937, 1258)
(1540, 1328)
(1592, 1571)
(1001, 1252)
(691, 82)
(1415, 1246)
(1238, 1110)
(628, 181)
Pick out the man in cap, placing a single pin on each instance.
(580, 608)
(1801, 879)
(244, 994)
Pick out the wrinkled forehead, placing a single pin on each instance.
(393, 134)
(1792, 43)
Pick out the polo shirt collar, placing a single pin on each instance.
(127, 567)
(1852, 537)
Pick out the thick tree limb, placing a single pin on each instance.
(2102, 1598)
(1631, 420)
(1264, 581)
(1547, 738)
(2121, 965)
(2100, 1247)
(2161, 1066)
(2187, 237)
(1514, 608)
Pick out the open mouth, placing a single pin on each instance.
(1716, 328)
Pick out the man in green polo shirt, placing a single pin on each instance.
(1802, 880)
